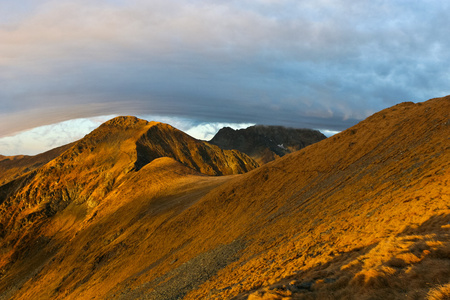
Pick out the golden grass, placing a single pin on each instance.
(439, 293)
(371, 208)
(362, 215)
(12, 167)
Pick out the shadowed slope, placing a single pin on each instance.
(266, 143)
(165, 141)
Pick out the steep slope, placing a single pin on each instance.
(266, 143)
(166, 141)
(362, 215)
(79, 180)
(94, 165)
(83, 254)
(12, 167)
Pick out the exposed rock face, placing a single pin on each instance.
(266, 143)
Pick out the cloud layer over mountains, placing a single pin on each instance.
(322, 64)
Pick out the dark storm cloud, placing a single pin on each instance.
(321, 64)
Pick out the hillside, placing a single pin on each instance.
(95, 165)
(79, 180)
(165, 141)
(364, 214)
(266, 143)
(12, 167)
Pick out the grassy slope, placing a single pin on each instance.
(44, 213)
(12, 167)
(362, 215)
(98, 253)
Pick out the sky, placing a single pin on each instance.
(66, 66)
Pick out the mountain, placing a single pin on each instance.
(61, 194)
(165, 141)
(93, 166)
(12, 167)
(362, 215)
(88, 169)
(266, 143)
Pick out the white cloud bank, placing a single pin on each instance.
(44, 138)
(314, 64)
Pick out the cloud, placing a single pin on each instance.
(206, 131)
(43, 138)
(322, 64)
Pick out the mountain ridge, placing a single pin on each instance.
(266, 143)
(82, 176)
(334, 177)
(12, 167)
(361, 215)
(206, 158)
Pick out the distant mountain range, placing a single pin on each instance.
(266, 143)
(140, 210)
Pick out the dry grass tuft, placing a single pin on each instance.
(372, 279)
(439, 293)
(442, 252)
(271, 295)
(397, 262)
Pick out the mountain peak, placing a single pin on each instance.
(126, 122)
(163, 140)
(265, 143)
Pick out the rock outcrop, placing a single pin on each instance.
(266, 143)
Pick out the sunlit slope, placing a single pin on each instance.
(361, 215)
(83, 175)
(80, 181)
(82, 255)
(12, 167)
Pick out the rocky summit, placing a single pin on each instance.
(138, 210)
(266, 143)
